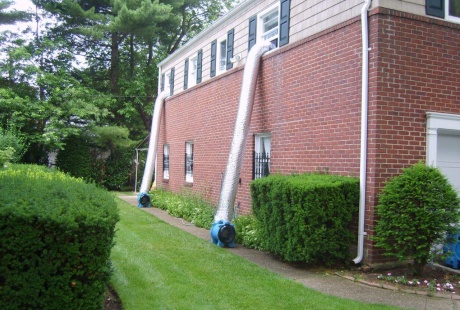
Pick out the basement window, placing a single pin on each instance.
(261, 160)
(189, 162)
(166, 161)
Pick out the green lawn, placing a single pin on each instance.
(158, 266)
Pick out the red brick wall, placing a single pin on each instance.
(309, 97)
(415, 68)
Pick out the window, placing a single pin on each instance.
(166, 81)
(262, 155)
(448, 9)
(189, 162)
(453, 10)
(166, 161)
(222, 55)
(270, 25)
(193, 65)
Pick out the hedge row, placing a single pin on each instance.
(306, 218)
(56, 237)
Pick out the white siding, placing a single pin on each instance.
(307, 17)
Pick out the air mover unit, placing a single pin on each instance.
(143, 200)
(223, 234)
(453, 249)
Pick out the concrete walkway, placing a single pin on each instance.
(328, 284)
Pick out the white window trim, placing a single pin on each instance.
(450, 18)
(260, 17)
(219, 55)
(192, 70)
(438, 122)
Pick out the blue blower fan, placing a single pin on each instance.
(453, 249)
(223, 234)
(143, 200)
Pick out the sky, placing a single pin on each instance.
(20, 5)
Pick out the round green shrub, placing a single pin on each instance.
(416, 209)
(56, 236)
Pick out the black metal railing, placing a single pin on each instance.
(261, 164)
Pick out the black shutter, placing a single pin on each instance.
(230, 34)
(199, 66)
(171, 82)
(213, 58)
(162, 82)
(435, 8)
(186, 74)
(284, 22)
(252, 38)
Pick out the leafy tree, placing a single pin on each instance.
(11, 17)
(416, 210)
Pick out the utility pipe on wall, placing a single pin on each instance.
(222, 231)
(143, 197)
(364, 108)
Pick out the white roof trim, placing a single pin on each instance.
(235, 11)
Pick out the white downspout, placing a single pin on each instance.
(364, 106)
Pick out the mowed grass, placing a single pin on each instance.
(158, 266)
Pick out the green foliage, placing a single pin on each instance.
(186, 205)
(247, 232)
(110, 137)
(11, 146)
(57, 234)
(75, 159)
(118, 168)
(306, 217)
(415, 211)
(6, 155)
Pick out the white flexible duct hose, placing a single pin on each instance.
(240, 133)
(153, 147)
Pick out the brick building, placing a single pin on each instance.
(309, 95)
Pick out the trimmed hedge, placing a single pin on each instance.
(306, 218)
(56, 237)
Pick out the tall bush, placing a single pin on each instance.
(75, 158)
(415, 211)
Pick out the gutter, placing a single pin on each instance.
(364, 115)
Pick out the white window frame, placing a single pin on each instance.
(436, 123)
(449, 17)
(221, 55)
(166, 153)
(258, 147)
(192, 70)
(189, 151)
(260, 24)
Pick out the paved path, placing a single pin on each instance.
(328, 284)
